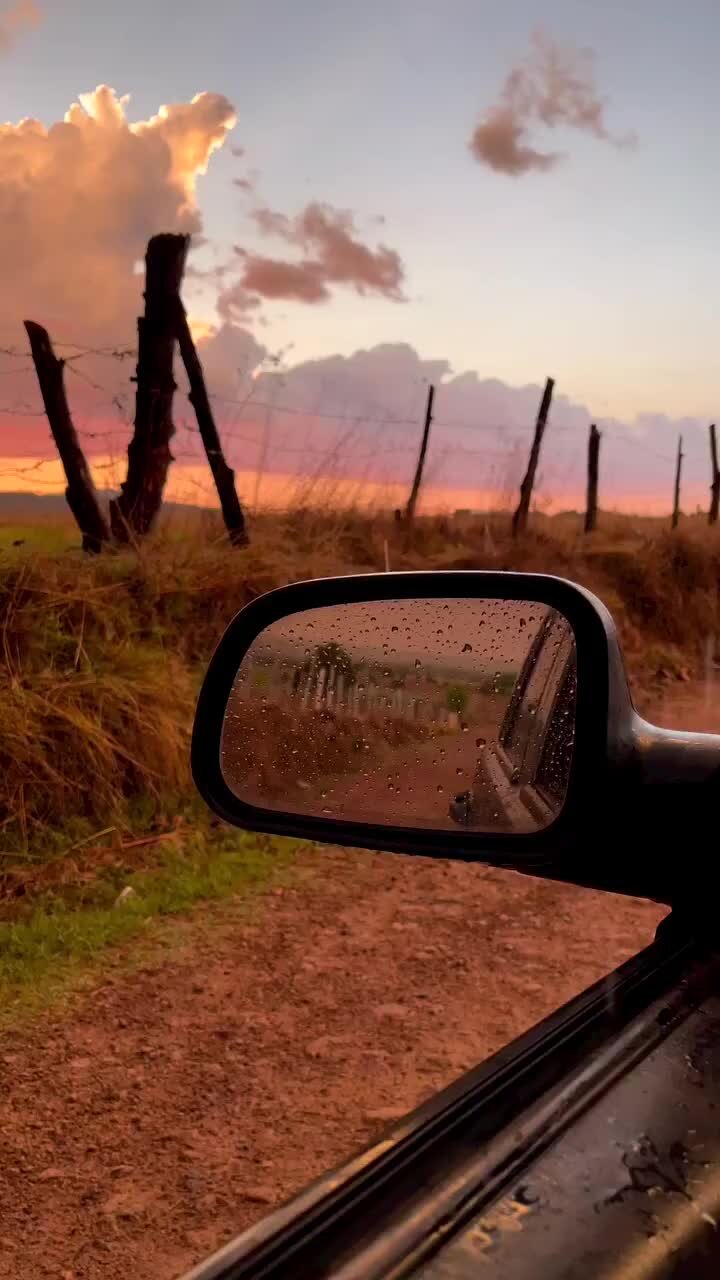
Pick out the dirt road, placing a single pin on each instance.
(172, 1106)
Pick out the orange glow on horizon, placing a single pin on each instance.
(192, 484)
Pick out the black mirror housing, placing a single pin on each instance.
(615, 828)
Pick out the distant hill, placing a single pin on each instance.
(28, 504)
(42, 506)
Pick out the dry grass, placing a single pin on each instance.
(270, 750)
(102, 658)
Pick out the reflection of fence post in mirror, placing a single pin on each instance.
(425, 713)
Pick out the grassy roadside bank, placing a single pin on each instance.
(101, 661)
(56, 926)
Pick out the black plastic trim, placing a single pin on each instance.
(402, 1196)
(539, 852)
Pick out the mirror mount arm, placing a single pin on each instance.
(671, 757)
(671, 817)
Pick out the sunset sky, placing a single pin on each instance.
(576, 237)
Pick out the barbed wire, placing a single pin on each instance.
(236, 414)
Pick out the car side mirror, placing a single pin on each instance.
(481, 716)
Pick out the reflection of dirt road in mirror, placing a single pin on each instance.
(411, 784)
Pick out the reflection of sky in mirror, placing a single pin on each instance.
(465, 635)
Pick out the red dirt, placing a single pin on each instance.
(172, 1106)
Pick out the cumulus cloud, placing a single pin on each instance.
(15, 19)
(361, 416)
(80, 199)
(358, 418)
(332, 253)
(554, 86)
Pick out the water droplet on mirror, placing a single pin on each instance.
(480, 742)
(467, 648)
(440, 790)
(418, 664)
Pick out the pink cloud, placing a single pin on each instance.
(554, 86)
(18, 18)
(333, 254)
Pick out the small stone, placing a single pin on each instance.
(385, 1115)
(390, 1011)
(317, 1048)
(50, 1175)
(259, 1195)
(126, 895)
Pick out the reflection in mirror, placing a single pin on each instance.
(413, 713)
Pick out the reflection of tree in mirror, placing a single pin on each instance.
(456, 698)
(332, 656)
(328, 668)
(260, 678)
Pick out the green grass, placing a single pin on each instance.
(50, 946)
(46, 537)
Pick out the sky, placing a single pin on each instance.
(418, 633)
(597, 264)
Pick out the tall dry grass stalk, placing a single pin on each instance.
(102, 659)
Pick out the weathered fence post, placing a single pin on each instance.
(715, 485)
(520, 518)
(678, 471)
(149, 457)
(80, 493)
(417, 481)
(222, 474)
(592, 484)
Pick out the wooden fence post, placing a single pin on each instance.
(520, 518)
(149, 456)
(678, 471)
(592, 484)
(715, 485)
(417, 481)
(222, 474)
(80, 493)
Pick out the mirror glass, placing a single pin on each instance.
(412, 713)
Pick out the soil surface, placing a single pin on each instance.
(175, 1104)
